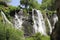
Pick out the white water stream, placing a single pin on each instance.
(18, 21)
(5, 18)
(39, 24)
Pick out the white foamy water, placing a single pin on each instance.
(18, 21)
(55, 19)
(49, 25)
(52, 22)
(39, 24)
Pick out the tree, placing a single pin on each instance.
(24, 2)
(30, 3)
(34, 4)
(8, 32)
(49, 4)
(4, 2)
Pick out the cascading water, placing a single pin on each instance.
(35, 25)
(18, 21)
(39, 24)
(49, 25)
(52, 22)
(55, 19)
(5, 18)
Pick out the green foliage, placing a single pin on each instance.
(7, 32)
(34, 37)
(5, 0)
(38, 36)
(34, 4)
(25, 12)
(45, 38)
(24, 2)
(30, 3)
(2, 32)
(47, 27)
(49, 4)
(8, 10)
(29, 38)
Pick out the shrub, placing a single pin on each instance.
(38, 36)
(7, 32)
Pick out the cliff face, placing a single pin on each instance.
(56, 32)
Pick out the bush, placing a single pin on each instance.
(2, 32)
(38, 36)
(7, 32)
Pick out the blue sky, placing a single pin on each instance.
(16, 2)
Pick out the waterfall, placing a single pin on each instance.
(49, 25)
(5, 18)
(52, 22)
(35, 25)
(55, 19)
(39, 24)
(18, 21)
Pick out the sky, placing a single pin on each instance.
(17, 2)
